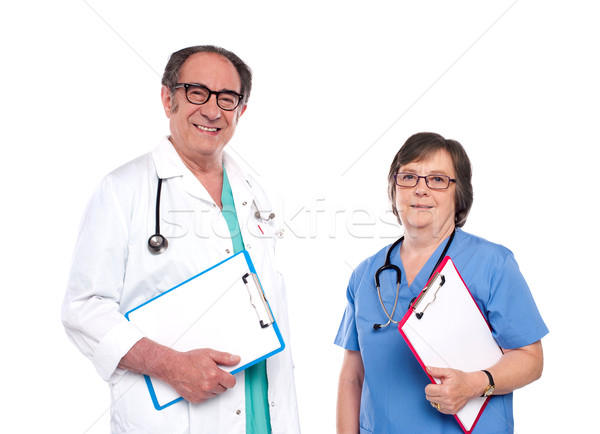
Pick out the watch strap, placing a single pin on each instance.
(490, 388)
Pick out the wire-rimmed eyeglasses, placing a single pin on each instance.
(435, 182)
(199, 94)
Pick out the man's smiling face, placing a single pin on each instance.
(199, 132)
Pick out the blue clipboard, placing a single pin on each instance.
(223, 307)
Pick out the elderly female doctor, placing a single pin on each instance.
(382, 388)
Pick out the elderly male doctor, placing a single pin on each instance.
(207, 208)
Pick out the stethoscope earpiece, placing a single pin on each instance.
(258, 215)
(157, 244)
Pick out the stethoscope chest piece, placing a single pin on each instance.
(157, 244)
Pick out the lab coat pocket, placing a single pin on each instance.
(261, 231)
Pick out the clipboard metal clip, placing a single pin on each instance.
(425, 291)
(266, 318)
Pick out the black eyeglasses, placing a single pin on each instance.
(435, 182)
(199, 94)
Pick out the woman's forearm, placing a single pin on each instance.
(349, 393)
(518, 368)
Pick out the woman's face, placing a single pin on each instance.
(424, 211)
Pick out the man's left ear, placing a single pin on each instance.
(242, 110)
(165, 96)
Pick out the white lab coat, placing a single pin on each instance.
(113, 272)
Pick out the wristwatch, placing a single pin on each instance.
(490, 388)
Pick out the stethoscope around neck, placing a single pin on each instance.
(157, 243)
(389, 266)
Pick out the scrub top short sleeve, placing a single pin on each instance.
(347, 335)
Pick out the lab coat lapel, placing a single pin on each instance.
(168, 164)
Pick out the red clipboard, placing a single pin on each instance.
(445, 328)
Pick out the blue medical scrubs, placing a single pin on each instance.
(393, 394)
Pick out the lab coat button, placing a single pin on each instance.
(227, 251)
(248, 246)
(272, 403)
(238, 412)
(244, 203)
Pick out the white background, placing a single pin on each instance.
(338, 88)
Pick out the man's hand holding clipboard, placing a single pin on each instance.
(222, 308)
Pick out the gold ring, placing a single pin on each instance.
(437, 406)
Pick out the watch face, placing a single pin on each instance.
(488, 391)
